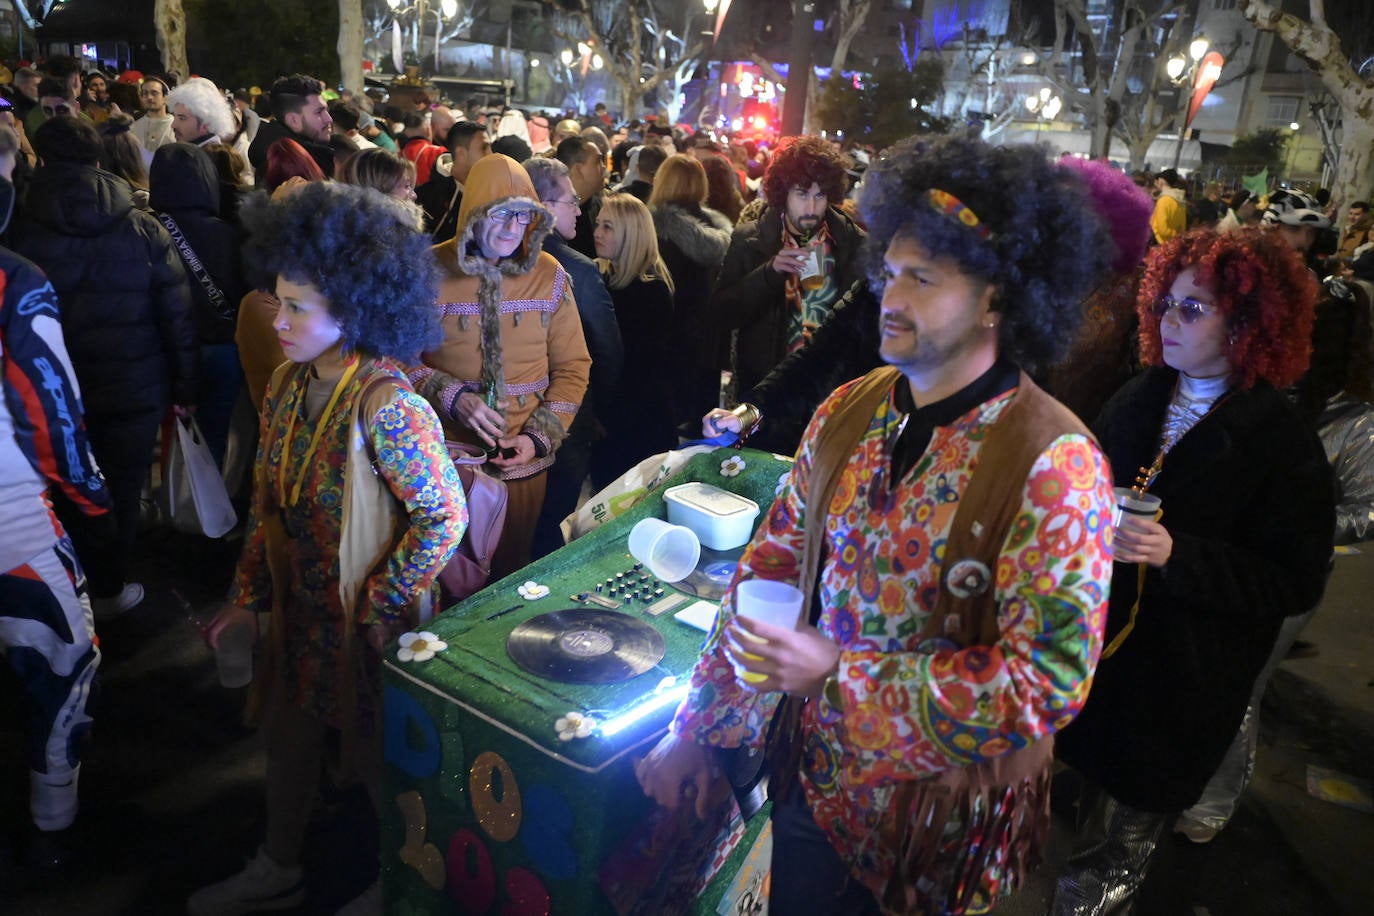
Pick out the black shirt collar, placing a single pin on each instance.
(1002, 377)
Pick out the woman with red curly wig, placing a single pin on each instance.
(1244, 541)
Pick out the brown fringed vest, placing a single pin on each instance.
(1003, 802)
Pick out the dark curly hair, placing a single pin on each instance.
(1259, 283)
(1048, 246)
(798, 163)
(359, 248)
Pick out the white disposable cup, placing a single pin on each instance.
(234, 655)
(670, 551)
(1129, 502)
(776, 603)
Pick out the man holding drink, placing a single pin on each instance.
(784, 272)
(950, 524)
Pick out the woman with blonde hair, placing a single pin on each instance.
(638, 422)
(381, 170)
(693, 240)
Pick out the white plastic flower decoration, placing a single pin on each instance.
(731, 466)
(532, 591)
(782, 482)
(574, 725)
(419, 647)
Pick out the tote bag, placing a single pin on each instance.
(194, 498)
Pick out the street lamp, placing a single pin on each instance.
(1197, 71)
(1045, 105)
(1291, 156)
(447, 9)
(584, 58)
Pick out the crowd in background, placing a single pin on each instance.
(595, 292)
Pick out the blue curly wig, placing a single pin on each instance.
(360, 249)
(1047, 247)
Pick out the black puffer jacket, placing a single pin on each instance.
(126, 308)
(184, 185)
(692, 241)
(751, 296)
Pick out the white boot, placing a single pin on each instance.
(262, 885)
(52, 798)
(368, 903)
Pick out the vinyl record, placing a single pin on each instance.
(585, 646)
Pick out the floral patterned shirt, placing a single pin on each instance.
(907, 712)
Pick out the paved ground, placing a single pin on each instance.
(171, 790)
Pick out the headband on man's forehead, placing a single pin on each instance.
(954, 208)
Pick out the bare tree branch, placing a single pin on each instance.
(1318, 46)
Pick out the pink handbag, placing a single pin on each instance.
(467, 573)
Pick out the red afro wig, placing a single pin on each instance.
(800, 162)
(1259, 283)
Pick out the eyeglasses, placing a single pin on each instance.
(505, 215)
(570, 201)
(1189, 310)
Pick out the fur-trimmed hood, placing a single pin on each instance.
(702, 236)
(496, 181)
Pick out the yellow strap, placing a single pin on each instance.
(314, 439)
(1135, 608)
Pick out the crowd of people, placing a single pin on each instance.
(971, 350)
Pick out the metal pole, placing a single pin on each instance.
(798, 70)
(1183, 112)
(438, 30)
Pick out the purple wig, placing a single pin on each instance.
(1124, 207)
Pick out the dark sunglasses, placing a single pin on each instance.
(1189, 310)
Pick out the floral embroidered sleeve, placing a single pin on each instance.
(411, 456)
(719, 710)
(906, 715)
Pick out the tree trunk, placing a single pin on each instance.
(1355, 172)
(1320, 48)
(170, 21)
(351, 44)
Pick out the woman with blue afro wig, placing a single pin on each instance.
(360, 249)
(356, 506)
(1007, 215)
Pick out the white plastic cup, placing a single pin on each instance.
(776, 603)
(670, 551)
(1129, 502)
(234, 655)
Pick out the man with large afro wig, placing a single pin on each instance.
(954, 522)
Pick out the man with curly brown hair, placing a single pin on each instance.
(784, 271)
